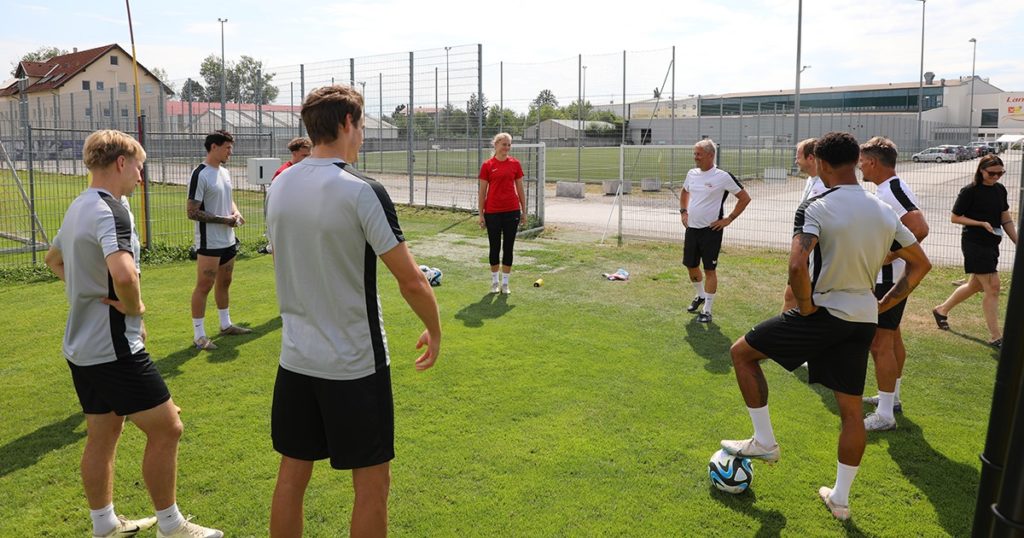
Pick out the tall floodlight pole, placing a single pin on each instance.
(447, 95)
(970, 121)
(223, 77)
(920, 82)
(796, 92)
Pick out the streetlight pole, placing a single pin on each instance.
(970, 121)
(223, 77)
(447, 95)
(920, 81)
(796, 92)
(584, 87)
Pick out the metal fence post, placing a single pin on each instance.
(71, 125)
(479, 102)
(302, 96)
(31, 193)
(145, 182)
(409, 123)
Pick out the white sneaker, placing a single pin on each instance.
(128, 527)
(495, 287)
(875, 422)
(840, 512)
(505, 290)
(750, 448)
(190, 530)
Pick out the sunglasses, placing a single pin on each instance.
(998, 173)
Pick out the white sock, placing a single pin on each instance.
(494, 277)
(504, 279)
(225, 318)
(763, 432)
(885, 403)
(103, 520)
(198, 329)
(169, 518)
(844, 479)
(897, 391)
(708, 299)
(698, 287)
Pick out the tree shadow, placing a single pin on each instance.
(707, 340)
(951, 486)
(772, 522)
(227, 349)
(29, 449)
(490, 306)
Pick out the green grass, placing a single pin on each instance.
(582, 408)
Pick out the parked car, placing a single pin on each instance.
(940, 154)
(980, 149)
(959, 151)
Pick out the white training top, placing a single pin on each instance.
(708, 191)
(901, 199)
(855, 231)
(812, 188)
(328, 224)
(211, 187)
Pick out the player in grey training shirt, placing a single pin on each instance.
(849, 232)
(95, 254)
(328, 225)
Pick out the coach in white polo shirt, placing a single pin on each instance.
(328, 224)
(878, 165)
(702, 210)
(850, 231)
(813, 187)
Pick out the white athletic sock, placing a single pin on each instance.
(885, 403)
(763, 432)
(897, 391)
(708, 299)
(198, 329)
(698, 287)
(844, 479)
(504, 279)
(494, 277)
(169, 518)
(225, 318)
(103, 520)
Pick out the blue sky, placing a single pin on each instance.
(721, 46)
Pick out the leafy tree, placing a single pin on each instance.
(211, 72)
(161, 75)
(41, 54)
(504, 118)
(477, 107)
(545, 97)
(252, 82)
(192, 91)
(573, 111)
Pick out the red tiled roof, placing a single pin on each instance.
(56, 71)
(180, 108)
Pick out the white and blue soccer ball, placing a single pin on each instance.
(433, 275)
(729, 473)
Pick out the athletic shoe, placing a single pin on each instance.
(877, 423)
(204, 344)
(234, 329)
(505, 290)
(840, 512)
(695, 305)
(897, 406)
(128, 527)
(495, 287)
(750, 448)
(997, 343)
(190, 530)
(265, 249)
(704, 318)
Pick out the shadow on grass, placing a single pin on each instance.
(965, 336)
(951, 487)
(707, 340)
(227, 349)
(827, 396)
(490, 306)
(772, 522)
(27, 450)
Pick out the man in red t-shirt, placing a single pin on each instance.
(502, 203)
(300, 148)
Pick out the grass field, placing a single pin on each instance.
(581, 408)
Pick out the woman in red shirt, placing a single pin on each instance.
(502, 205)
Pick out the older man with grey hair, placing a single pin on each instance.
(702, 211)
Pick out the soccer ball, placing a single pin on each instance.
(729, 473)
(433, 275)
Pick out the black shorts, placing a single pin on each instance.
(124, 386)
(835, 350)
(225, 254)
(890, 319)
(979, 259)
(702, 244)
(351, 422)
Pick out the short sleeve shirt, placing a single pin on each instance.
(855, 231)
(501, 179)
(812, 188)
(282, 168)
(708, 191)
(211, 187)
(328, 223)
(95, 226)
(985, 203)
(898, 195)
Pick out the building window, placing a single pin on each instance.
(85, 85)
(122, 87)
(124, 112)
(113, 60)
(88, 112)
(148, 89)
(990, 117)
(99, 85)
(106, 112)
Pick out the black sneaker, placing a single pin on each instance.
(695, 305)
(704, 318)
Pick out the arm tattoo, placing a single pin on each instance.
(194, 213)
(902, 287)
(806, 242)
